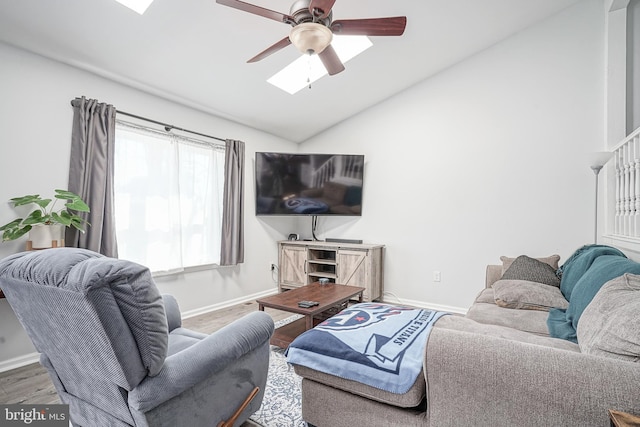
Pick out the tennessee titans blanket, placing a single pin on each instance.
(379, 345)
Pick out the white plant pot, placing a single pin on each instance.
(47, 236)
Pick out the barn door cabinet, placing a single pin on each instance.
(303, 262)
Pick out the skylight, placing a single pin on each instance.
(307, 69)
(139, 6)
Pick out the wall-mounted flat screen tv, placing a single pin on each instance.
(309, 184)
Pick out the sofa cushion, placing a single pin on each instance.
(465, 324)
(578, 264)
(552, 260)
(532, 270)
(610, 325)
(526, 295)
(563, 323)
(532, 321)
(487, 295)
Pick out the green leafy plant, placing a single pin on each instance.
(45, 214)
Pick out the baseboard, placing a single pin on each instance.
(227, 304)
(19, 362)
(432, 306)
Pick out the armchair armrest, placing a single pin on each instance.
(202, 360)
(487, 380)
(172, 311)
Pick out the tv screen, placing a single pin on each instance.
(309, 184)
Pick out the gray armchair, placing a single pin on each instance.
(116, 351)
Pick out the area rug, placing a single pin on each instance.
(282, 402)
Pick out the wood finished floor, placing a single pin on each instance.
(31, 384)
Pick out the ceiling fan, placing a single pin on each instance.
(313, 28)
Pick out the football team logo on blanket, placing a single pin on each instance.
(361, 316)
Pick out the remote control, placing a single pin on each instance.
(307, 304)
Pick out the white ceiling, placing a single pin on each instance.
(194, 51)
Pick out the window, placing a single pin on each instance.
(168, 198)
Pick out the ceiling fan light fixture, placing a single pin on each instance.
(310, 37)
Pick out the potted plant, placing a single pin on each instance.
(45, 224)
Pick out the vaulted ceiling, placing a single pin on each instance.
(194, 52)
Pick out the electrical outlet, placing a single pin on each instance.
(437, 276)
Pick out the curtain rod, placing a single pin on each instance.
(168, 127)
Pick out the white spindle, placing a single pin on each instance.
(636, 196)
(626, 193)
(618, 192)
(632, 189)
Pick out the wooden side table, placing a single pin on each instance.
(623, 419)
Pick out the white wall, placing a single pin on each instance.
(36, 117)
(485, 159)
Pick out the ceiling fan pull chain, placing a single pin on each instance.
(309, 70)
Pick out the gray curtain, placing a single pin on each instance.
(232, 251)
(91, 174)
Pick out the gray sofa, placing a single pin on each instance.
(498, 366)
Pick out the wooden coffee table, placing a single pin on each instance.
(328, 296)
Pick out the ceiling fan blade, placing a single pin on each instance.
(330, 60)
(323, 7)
(257, 10)
(271, 49)
(393, 26)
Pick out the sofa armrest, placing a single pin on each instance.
(475, 379)
(208, 357)
(493, 274)
(172, 311)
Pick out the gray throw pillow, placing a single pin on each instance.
(532, 270)
(552, 260)
(610, 325)
(526, 295)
